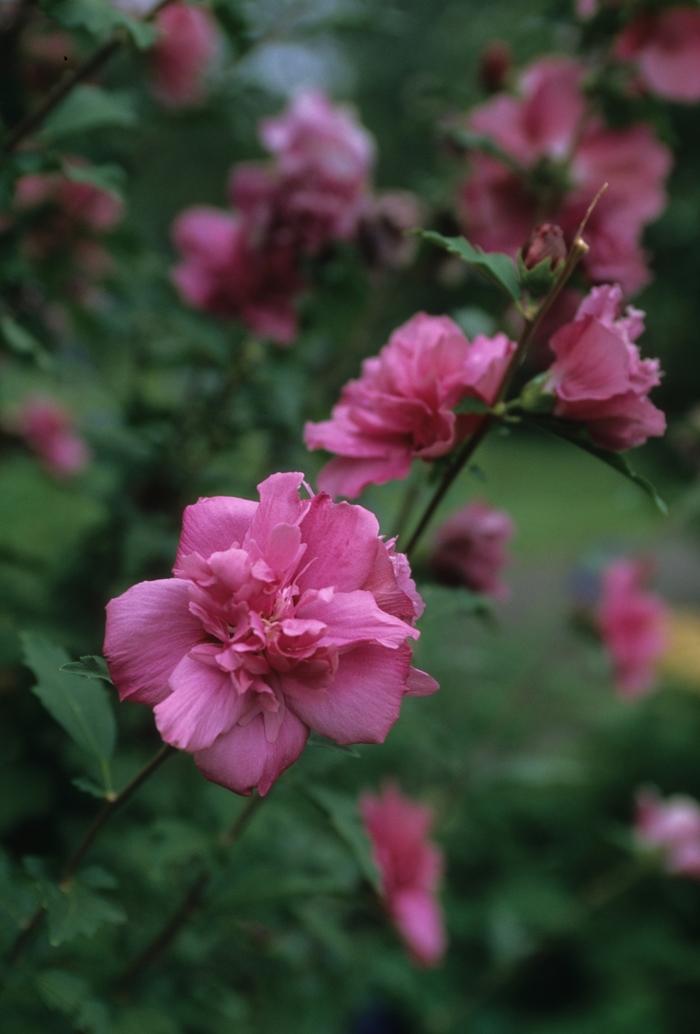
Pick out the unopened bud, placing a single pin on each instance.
(546, 242)
(495, 64)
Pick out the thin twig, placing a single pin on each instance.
(110, 807)
(576, 252)
(60, 91)
(190, 903)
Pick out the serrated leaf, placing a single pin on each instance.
(70, 994)
(106, 177)
(343, 816)
(81, 707)
(497, 267)
(89, 666)
(76, 910)
(616, 460)
(86, 108)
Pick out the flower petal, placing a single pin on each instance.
(420, 684)
(212, 525)
(419, 921)
(149, 630)
(347, 476)
(341, 545)
(203, 704)
(353, 617)
(243, 758)
(364, 699)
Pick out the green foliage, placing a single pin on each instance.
(101, 19)
(82, 708)
(88, 108)
(498, 268)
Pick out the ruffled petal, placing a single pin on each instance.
(149, 630)
(213, 524)
(364, 699)
(353, 617)
(202, 705)
(341, 542)
(348, 476)
(243, 758)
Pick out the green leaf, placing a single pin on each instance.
(89, 667)
(494, 265)
(471, 141)
(81, 707)
(106, 177)
(76, 910)
(86, 108)
(616, 460)
(23, 343)
(315, 740)
(344, 819)
(473, 405)
(100, 18)
(90, 786)
(70, 994)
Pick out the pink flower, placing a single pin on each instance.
(187, 45)
(282, 616)
(563, 154)
(320, 180)
(586, 8)
(410, 867)
(470, 549)
(48, 430)
(632, 623)
(402, 405)
(665, 47)
(82, 205)
(671, 827)
(598, 376)
(225, 272)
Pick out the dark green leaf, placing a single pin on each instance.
(344, 818)
(101, 18)
(22, 342)
(87, 108)
(76, 910)
(89, 786)
(320, 741)
(71, 995)
(616, 460)
(106, 177)
(89, 667)
(497, 267)
(82, 707)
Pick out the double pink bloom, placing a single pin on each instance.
(402, 406)
(247, 264)
(664, 47)
(671, 827)
(282, 616)
(49, 431)
(598, 376)
(410, 868)
(632, 623)
(562, 154)
(185, 49)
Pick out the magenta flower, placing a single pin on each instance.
(225, 272)
(664, 46)
(48, 429)
(563, 154)
(186, 48)
(282, 616)
(402, 405)
(632, 623)
(410, 867)
(470, 549)
(598, 376)
(80, 204)
(671, 827)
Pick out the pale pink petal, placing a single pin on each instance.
(279, 504)
(243, 759)
(202, 705)
(420, 684)
(149, 630)
(419, 920)
(348, 477)
(352, 617)
(364, 699)
(341, 545)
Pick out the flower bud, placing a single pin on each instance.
(495, 64)
(545, 242)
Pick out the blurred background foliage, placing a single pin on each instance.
(528, 758)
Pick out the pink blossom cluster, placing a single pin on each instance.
(664, 49)
(247, 263)
(410, 867)
(67, 217)
(556, 155)
(632, 624)
(672, 828)
(282, 615)
(403, 405)
(48, 429)
(598, 377)
(470, 549)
